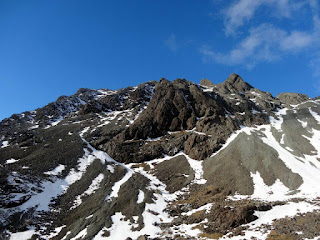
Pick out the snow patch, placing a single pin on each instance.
(196, 132)
(140, 197)
(310, 174)
(315, 115)
(54, 123)
(80, 235)
(116, 187)
(276, 123)
(303, 123)
(110, 168)
(289, 149)
(56, 171)
(257, 229)
(196, 165)
(91, 189)
(42, 200)
(33, 127)
(288, 210)
(94, 185)
(276, 192)
(22, 235)
(12, 160)
(74, 175)
(65, 236)
(50, 190)
(207, 207)
(188, 229)
(153, 139)
(5, 144)
(120, 228)
(253, 111)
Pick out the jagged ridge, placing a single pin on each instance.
(174, 138)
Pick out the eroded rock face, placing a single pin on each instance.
(76, 147)
(224, 216)
(292, 98)
(234, 84)
(169, 109)
(174, 107)
(176, 173)
(182, 106)
(206, 82)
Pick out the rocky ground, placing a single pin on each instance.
(163, 160)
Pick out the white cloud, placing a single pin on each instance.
(238, 13)
(241, 11)
(267, 42)
(171, 43)
(297, 40)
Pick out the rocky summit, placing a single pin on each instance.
(163, 160)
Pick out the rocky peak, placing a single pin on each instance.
(233, 84)
(183, 107)
(292, 98)
(206, 82)
(171, 151)
(169, 109)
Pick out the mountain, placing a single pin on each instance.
(163, 160)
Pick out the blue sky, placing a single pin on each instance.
(52, 48)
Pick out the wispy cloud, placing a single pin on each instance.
(241, 11)
(171, 42)
(238, 13)
(265, 42)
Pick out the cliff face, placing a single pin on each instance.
(157, 160)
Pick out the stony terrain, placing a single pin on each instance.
(163, 160)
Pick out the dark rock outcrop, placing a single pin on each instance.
(176, 173)
(93, 132)
(233, 84)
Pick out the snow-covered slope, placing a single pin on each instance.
(163, 160)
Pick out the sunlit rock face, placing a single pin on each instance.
(163, 160)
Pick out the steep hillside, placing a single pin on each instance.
(163, 160)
